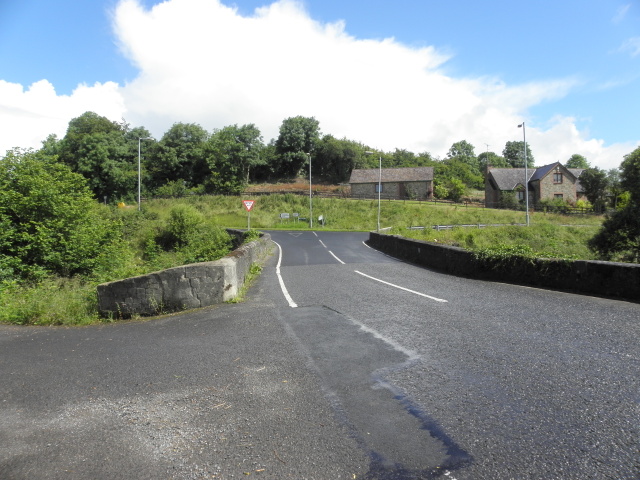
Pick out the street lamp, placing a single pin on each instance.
(526, 171)
(139, 176)
(310, 201)
(379, 183)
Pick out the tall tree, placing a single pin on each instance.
(619, 237)
(490, 159)
(104, 152)
(513, 153)
(577, 161)
(463, 151)
(179, 155)
(594, 183)
(232, 151)
(297, 138)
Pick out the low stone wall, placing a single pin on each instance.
(609, 279)
(188, 286)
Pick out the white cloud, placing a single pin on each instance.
(201, 61)
(621, 13)
(631, 45)
(28, 116)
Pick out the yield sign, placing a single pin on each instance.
(248, 204)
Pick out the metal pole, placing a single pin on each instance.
(526, 172)
(379, 188)
(139, 139)
(310, 199)
(139, 176)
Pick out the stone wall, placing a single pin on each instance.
(188, 286)
(610, 279)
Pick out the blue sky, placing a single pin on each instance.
(570, 69)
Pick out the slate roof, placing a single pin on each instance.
(372, 175)
(510, 178)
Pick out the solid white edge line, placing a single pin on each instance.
(285, 292)
(402, 288)
(334, 256)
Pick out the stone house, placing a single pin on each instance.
(549, 182)
(397, 183)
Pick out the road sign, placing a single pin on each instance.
(248, 204)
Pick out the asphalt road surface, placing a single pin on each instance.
(343, 363)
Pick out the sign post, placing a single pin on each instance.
(248, 205)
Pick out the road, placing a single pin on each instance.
(342, 363)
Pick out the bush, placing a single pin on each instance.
(50, 224)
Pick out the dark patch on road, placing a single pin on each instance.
(402, 440)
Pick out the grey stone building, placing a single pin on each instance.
(553, 181)
(397, 183)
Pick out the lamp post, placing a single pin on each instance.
(310, 193)
(526, 171)
(379, 184)
(139, 176)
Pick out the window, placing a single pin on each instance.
(379, 188)
(557, 196)
(520, 195)
(557, 178)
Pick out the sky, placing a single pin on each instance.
(403, 74)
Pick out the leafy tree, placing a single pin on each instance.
(490, 159)
(334, 159)
(231, 152)
(615, 187)
(179, 155)
(463, 151)
(50, 222)
(619, 236)
(104, 152)
(297, 138)
(577, 161)
(513, 153)
(594, 182)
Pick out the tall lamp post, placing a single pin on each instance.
(139, 175)
(379, 184)
(526, 171)
(310, 200)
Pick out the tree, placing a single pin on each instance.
(298, 137)
(463, 151)
(615, 187)
(490, 159)
(619, 237)
(594, 182)
(104, 152)
(231, 152)
(179, 155)
(513, 153)
(577, 161)
(335, 159)
(50, 222)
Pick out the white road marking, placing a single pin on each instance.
(334, 256)
(322, 243)
(402, 288)
(285, 292)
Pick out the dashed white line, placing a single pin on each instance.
(403, 288)
(334, 256)
(285, 292)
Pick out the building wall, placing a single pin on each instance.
(548, 189)
(420, 190)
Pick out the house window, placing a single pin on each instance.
(379, 188)
(557, 196)
(557, 178)
(520, 195)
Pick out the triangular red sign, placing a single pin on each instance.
(248, 204)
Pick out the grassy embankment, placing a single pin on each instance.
(73, 301)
